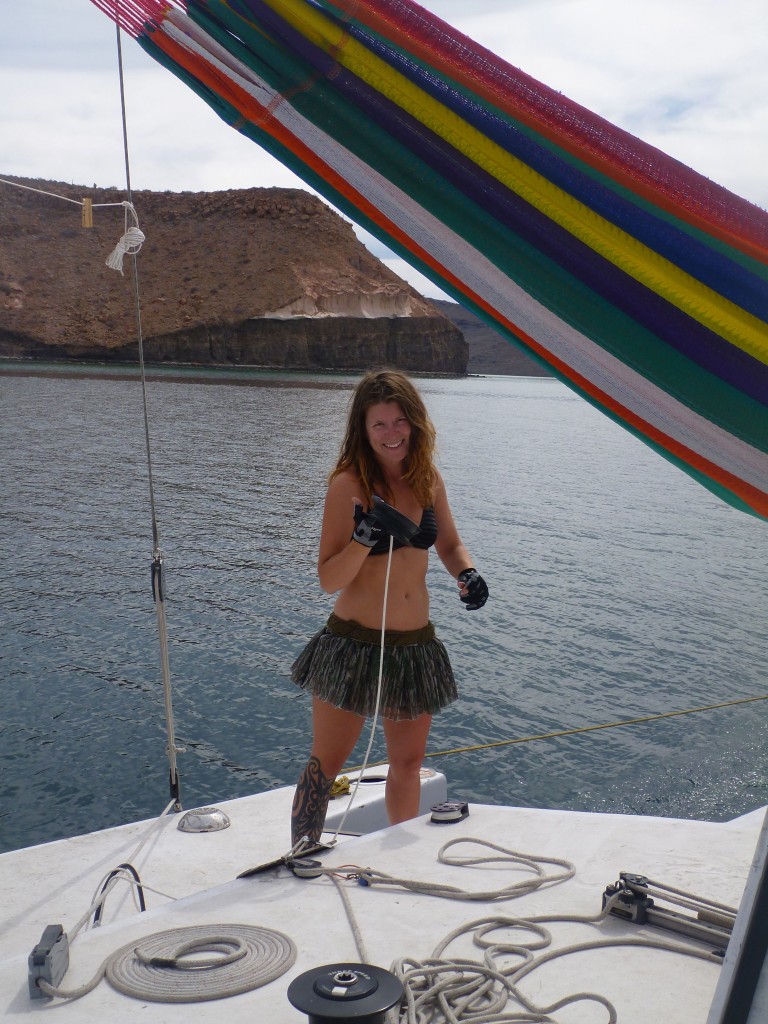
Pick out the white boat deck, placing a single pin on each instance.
(55, 883)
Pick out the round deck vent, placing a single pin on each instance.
(203, 819)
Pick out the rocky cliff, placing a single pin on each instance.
(490, 352)
(260, 277)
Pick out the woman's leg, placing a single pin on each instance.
(406, 747)
(334, 735)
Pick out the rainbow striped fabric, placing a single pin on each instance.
(636, 281)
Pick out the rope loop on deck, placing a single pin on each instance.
(537, 877)
(459, 990)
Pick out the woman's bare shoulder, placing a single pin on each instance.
(439, 487)
(344, 491)
(344, 482)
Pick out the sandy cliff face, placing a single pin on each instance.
(489, 352)
(266, 277)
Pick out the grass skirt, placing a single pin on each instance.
(340, 665)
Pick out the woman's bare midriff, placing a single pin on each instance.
(407, 600)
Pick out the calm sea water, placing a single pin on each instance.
(619, 589)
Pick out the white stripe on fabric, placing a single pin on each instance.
(623, 384)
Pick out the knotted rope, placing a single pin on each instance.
(131, 241)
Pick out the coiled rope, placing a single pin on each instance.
(130, 243)
(166, 968)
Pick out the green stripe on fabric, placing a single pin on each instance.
(554, 287)
(549, 284)
(756, 267)
(232, 116)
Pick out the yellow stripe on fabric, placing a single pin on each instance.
(681, 289)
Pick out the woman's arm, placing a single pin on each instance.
(449, 545)
(340, 558)
(473, 590)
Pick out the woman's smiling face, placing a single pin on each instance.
(388, 431)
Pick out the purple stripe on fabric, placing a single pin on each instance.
(668, 323)
(709, 265)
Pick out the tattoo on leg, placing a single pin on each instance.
(310, 802)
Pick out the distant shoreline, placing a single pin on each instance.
(183, 372)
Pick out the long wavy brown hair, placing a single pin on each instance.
(357, 454)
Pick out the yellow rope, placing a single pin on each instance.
(340, 787)
(585, 728)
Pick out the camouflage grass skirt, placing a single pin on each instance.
(340, 665)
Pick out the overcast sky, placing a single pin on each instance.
(688, 76)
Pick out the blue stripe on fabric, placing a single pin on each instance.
(670, 324)
(648, 309)
(708, 265)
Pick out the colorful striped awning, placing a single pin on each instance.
(635, 280)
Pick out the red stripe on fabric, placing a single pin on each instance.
(687, 194)
(261, 117)
(750, 495)
(134, 16)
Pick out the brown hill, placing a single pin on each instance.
(489, 351)
(266, 277)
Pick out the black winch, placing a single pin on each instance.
(345, 992)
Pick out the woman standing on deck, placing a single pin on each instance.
(388, 450)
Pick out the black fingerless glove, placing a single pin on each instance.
(476, 589)
(367, 531)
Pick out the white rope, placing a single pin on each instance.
(439, 990)
(468, 990)
(131, 241)
(164, 968)
(351, 919)
(459, 989)
(56, 195)
(28, 188)
(375, 717)
(297, 848)
(539, 879)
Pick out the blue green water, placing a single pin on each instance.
(619, 589)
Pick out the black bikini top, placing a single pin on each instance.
(425, 538)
